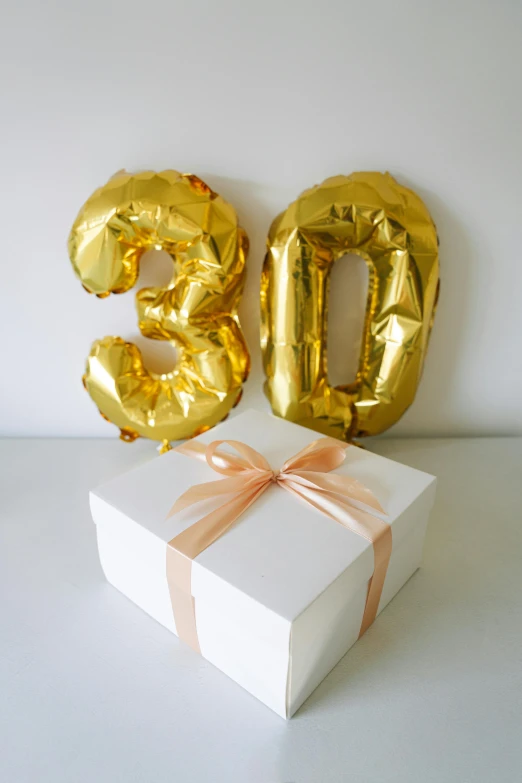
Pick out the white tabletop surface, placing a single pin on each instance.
(92, 690)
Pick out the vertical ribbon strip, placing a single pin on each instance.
(307, 475)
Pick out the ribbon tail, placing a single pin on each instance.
(211, 489)
(199, 536)
(352, 491)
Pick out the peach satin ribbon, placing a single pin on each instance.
(307, 475)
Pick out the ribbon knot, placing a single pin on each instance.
(308, 475)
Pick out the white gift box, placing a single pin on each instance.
(280, 596)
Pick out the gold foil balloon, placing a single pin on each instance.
(180, 214)
(371, 215)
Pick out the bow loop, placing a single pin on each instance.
(324, 455)
(253, 460)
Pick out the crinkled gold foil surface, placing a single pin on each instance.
(197, 311)
(389, 226)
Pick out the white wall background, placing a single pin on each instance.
(263, 99)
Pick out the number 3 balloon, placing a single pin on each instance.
(388, 225)
(198, 310)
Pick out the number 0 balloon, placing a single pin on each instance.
(371, 215)
(198, 310)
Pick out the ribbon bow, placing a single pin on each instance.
(306, 474)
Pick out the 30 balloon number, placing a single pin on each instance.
(367, 213)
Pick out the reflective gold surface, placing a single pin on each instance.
(180, 214)
(388, 225)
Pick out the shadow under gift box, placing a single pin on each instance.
(279, 598)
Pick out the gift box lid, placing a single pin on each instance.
(282, 552)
